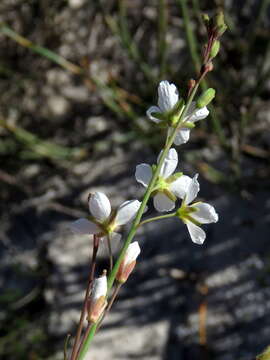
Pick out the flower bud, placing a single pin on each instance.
(206, 98)
(205, 18)
(128, 263)
(219, 23)
(98, 298)
(215, 49)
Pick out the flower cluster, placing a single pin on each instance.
(169, 186)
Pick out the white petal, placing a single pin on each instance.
(182, 136)
(132, 253)
(115, 239)
(84, 226)
(196, 233)
(199, 114)
(99, 206)
(205, 213)
(180, 186)
(99, 287)
(193, 189)
(143, 174)
(169, 164)
(127, 211)
(167, 96)
(163, 203)
(150, 111)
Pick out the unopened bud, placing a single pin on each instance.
(128, 263)
(206, 98)
(205, 18)
(215, 49)
(98, 302)
(219, 23)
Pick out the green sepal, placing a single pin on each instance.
(169, 194)
(206, 98)
(174, 177)
(189, 125)
(175, 113)
(183, 213)
(158, 115)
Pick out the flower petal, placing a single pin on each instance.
(99, 206)
(197, 114)
(163, 203)
(150, 111)
(84, 226)
(196, 233)
(167, 96)
(143, 174)
(169, 164)
(180, 186)
(205, 213)
(193, 189)
(127, 211)
(182, 136)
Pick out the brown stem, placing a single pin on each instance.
(75, 351)
(87, 331)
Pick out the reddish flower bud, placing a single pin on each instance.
(97, 301)
(128, 263)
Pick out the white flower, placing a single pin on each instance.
(168, 97)
(128, 263)
(103, 220)
(197, 213)
(193, 115)
(168, 187)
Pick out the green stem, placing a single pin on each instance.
(156, 218)
(140, 212)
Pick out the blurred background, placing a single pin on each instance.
(76, 77)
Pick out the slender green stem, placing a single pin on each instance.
(156, 218)
(140, 212)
